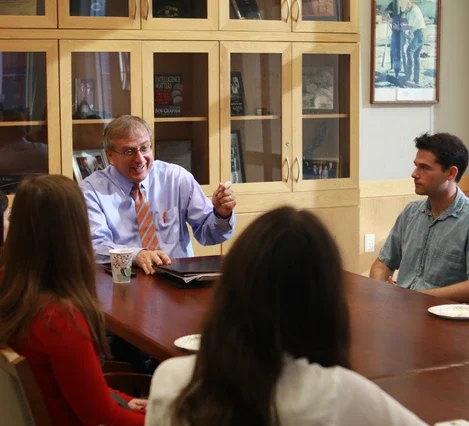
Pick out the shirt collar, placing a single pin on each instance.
(453, 210)
(124, 183)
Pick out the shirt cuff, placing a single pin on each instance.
(221, 217)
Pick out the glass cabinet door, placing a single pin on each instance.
(255, 114)
(105, 14)
(104, 82)
(180, 14)
(256, 15)
(29, 101)
(335, 16)
(28, 14)
(325, 116)
(181, 98)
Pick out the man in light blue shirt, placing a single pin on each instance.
(429, 242)
(174, 197)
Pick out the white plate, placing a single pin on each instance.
(460, 312)
(190, 342)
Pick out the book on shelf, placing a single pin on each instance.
(246, 9)
(237, 94)
(18, 7)
(193, 270)
(168, 95)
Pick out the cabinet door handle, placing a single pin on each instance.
(135, 9)
(299, 171)
(289, 9)
(148, 9)
(298, 4)
(288, 169)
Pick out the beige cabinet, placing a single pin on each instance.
(99, 80)
(182, 100)
(334, 16)
(289, 116)
(29, 110)
(266, 97)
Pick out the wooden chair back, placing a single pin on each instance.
(21, 402)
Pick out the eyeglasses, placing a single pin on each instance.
(132, 152)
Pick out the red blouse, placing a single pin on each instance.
(64, 362)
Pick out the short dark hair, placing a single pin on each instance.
(448, 149)
(281, 292)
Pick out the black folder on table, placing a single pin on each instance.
(193, 271)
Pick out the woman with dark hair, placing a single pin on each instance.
(274, 350)
(49, 309)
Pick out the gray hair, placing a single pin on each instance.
(124, 126)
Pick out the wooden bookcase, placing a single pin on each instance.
(283, 140)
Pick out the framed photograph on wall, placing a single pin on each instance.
(238, 173)
(87, 162)
(320, 10)
(318, 89)
(405, 51)
(175, 151)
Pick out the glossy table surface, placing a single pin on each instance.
(395, 341)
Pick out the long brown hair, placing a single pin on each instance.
(48, 257)
(281, 292)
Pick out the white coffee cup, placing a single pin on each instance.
(121, 264)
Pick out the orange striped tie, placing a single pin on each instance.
(144, 219)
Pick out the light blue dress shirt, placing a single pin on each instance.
(429, 253)
(175, 199)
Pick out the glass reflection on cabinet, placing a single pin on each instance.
(23, 114)
(326, 109)
(100, 91)
(97, 8)
(256, 121)
(174, 9)
(268, 10)
(100, 85)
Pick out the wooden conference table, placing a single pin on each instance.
(420, 359)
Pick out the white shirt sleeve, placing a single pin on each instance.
(169, 379)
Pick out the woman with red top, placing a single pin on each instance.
(49, 309)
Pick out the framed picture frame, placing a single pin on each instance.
(405, 51)
(238, 172)
(318, 89)
(88, 161)
(321, 168)
(175, 151)
(84, 95)
(320, 10)
(238, 103)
